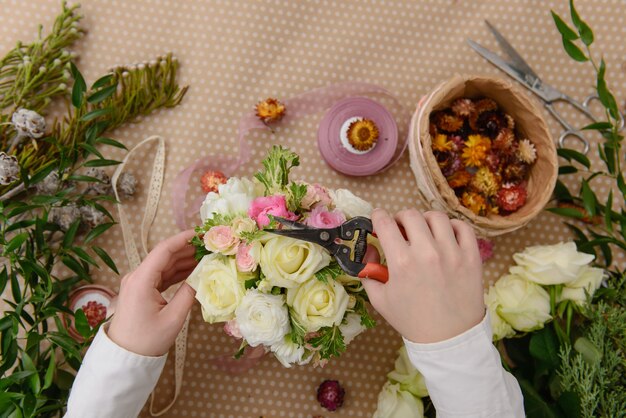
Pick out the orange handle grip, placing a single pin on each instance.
(375, 271)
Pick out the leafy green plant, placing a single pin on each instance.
(41, 227)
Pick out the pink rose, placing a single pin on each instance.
(485, 247)
(315, 195)
(269, 205)
(232, 328)
(321, 217)
(220, 239)
(248, 256)
(323, 195)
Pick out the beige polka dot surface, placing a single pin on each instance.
(235, 53)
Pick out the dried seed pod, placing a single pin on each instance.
(64, 216)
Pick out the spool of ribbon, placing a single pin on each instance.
(348, 161)
(304, 104)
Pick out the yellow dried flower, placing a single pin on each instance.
(362, 134)
(270, 110)
(486, 182)
(526, 151)
(474, 202)
(475, 150)
(441, 143)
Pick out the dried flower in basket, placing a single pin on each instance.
(270, 110)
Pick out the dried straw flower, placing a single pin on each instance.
(463, 107)
(270, 110)
(211, 181)
(362, 134)
(485, 182)
(526, 151)
(441, 143)
(511, 197)
(515, 172)
(475, 151)
(448, 122)
(9, 169)
(504, 142)
(474, 202)
(459, 179)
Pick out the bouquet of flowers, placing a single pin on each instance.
(286, 295)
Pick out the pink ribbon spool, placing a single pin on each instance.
(342, 159)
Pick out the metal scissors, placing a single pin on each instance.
(519, 69)
(355, 229)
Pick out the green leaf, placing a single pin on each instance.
(562, 193)
(33, 380)
(330, 342)
(68, 239)
(589, 198)
(570, 404)
(109, 141)
(251, 283)
(567, 169)
(534, 404)
(101, 163)
(606, 97)
(566, 32)
(297, 330)
(97, 231)
(586, 34)
(332, 270)
(89, 179)
(102, 94)
(66, 343)
(82, 324)
(79, 88)
(574, 51)
(96, 114)
(102, 81)
(41, 173)
(75, 266)
(15, 243)
(366, 319)
(598, 126)
(570, 154)
(544, 347)
(105, 257)
(83, 255)
(608, 221)
(47, 382)
(621, 184)
(567, 212)
(91, 149)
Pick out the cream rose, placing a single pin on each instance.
(220, 239)
(234, 197)
(262, 318)
(317, 304)
(351, 327)
(407, 376)
(350, 204)
(287, 262)
(551, 264)
(219, 287)
(242, 225)
(395, 403)
(500, 328)
(523, 304)
(288, 352)
(587, 283)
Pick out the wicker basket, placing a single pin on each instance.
(432, 184)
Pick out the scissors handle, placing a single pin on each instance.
(375, 271)
(570, 131)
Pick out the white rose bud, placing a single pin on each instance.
(551, 264)
(243, 224)
(219, 287)
(350, 204)
(351, 327)
(394, 403)
(317, 304)
(522, 303)
(234, 197)
(262, 318)
(584, 286)
(500, 328)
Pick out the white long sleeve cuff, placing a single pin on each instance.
(112, 381)
(465, 377)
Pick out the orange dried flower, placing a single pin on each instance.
(485, 105)
(474, 202)
(485, 182)
(441, 143)
(463, 107)
(504, 143)
(448, 122)
(211, 181)
(475, 151)
(363, 134)
(270, 110)
(593, 220)
(459, 179)
(515, 172)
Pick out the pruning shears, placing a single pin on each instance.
(351, 261)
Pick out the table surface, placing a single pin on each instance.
(235, 53)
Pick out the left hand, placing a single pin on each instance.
(144, 322)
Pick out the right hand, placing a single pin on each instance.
(435, 288)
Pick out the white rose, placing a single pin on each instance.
(351, 327)
(262, 318)
(234, 197)
(287, 262)
(288, 352)
(350, 204)
(396, 403)
(551, 264)
(501, 329)
(219, 287)
(587, 283)
(407, 376)
(317, 304)
(523, 304)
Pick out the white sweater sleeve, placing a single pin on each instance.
(112, 382)
(465, 377)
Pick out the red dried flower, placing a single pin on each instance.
(504, 143)
(211, 180)
(330, 394)
(485, 247)
(511, 197)
(95, 312)
(493, 162)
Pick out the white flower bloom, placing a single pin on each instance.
(396, 403)
(584, 286)
(9, 169)
(263, 318)
(234, 198)
(219, 287)
(522, 303)
(350, 204)
(317, 304)
(287, 262)
(551, 264)
(351, 327)
(407, 376)
(500, 328)
(288, 352)
(29, 123)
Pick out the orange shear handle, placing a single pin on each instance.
(375, 271)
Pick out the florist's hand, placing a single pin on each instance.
(144, 322)
(435, 288)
